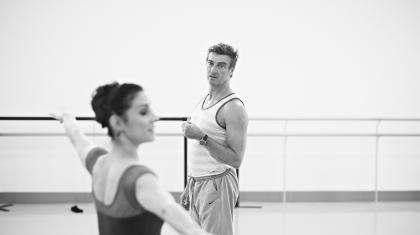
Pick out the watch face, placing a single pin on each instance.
(203, 140)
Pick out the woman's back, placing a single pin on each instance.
(106, 176)
(114, 193)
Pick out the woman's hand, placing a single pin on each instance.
(60, 115)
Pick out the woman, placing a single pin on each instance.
(127, 195)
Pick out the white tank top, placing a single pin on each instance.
(200, 162)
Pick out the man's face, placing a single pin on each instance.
(218, 71)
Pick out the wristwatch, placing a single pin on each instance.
(203, 141)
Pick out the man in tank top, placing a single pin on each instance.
(217, 131)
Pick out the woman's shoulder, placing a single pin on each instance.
(110, 177)
(137, 170)
(93, 155)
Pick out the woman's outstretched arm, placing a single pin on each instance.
(154, 198)
(81, 143)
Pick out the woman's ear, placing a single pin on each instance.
(116, 124)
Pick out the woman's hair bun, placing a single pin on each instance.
(101, 102)
(112, 98)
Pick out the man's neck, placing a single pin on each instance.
(217, 93)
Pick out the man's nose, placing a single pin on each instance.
(213, 69)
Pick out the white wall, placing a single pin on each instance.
(297, 58)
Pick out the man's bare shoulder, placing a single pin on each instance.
(234, 110)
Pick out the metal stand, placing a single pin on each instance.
(237, 202)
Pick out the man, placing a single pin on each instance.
(217, 128)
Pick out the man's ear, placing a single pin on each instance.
(231, 72)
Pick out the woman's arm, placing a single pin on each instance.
(154, 198)
(79, 140)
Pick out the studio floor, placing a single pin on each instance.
(251, 218)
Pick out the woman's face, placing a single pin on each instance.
(139, 120)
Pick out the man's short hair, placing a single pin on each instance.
(225, 49)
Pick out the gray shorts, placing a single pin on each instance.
(212, 200)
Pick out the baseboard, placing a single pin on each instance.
(330, 196)
(53, 197)
(245, 196)
(260, 196)
(46, 197)
(387, 196)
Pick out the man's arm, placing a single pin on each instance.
(236, 122)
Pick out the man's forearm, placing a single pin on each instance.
(223, 154)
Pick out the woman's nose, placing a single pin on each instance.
(155, 118)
